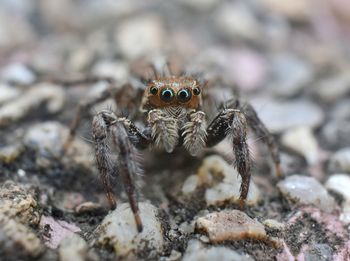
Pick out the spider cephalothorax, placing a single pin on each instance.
(175, 116)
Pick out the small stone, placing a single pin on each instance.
(235, 20)
(17, 73)
(224, 183)
(10, 153)
(340, 161)
(49, 94)
(118, 230)
(56, 230)
(305, 191)
(339, 183)
(190, 184)
(282, 116)
(317, 252)
(196, 251)
(174, 256)
(289, 75)
(7, 93)
(17, 203)
(230, 225)
(274, 224)
(73, 247)
(108, 69)
(88, 207)
(332, 89)
(17, 240)
(48, 138)
(302, 141)
(140, 36)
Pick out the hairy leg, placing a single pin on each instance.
(232, 122)
(124, 135)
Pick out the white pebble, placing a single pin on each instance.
(340, 161)
(305, 191)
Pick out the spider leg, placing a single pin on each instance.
(233, 122)
(262, 132)
(123, 159)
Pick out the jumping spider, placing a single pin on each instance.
(174, 117)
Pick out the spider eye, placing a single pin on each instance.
(153, 90)
(196, 91)
(167, 95)
(184, 95)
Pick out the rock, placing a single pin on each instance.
(340, 161)
(302, 141)
(17, 73)
(140, 36)
(17, 203)
(274, 224)
(118, 230)
(17, 241)
(73, 247)
(282, 116)
(115, 70)
(296, 10)
(332, 89)
(49, 94)
(47, 140)
(10, 153)
(223, 182)
(306, 190)
(317, 252)
(340, 184)
(289, 75)
(235, 20)
(196, 251)
(230, 225)
(200, 5)
(55, 231)
(7, 93)
(336, 131)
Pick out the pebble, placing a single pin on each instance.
(10, 153)
(118, 230)
(18, 239)
(73, 247)
(230, 225)
(274, 224)
(340, 183)
(340, 161)
(332, 89)
(140, 36)
(222, 181)
(16, 202)
(20, 107)
(289, 75)
(296, 10)
(306, 190)
(196, 251)
(48, 139)
(282, 116)
(235, 20)
(17, 73)
(7, 93)
(115, 70)
(317, 252)
(302, 141)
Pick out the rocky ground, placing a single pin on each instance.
(290, 60)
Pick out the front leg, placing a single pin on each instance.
(233, 123)
(122, 159)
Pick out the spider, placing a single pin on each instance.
(174, 116)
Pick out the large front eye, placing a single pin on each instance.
(167, 95)
(184, 95)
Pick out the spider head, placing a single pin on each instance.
(173, 91)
